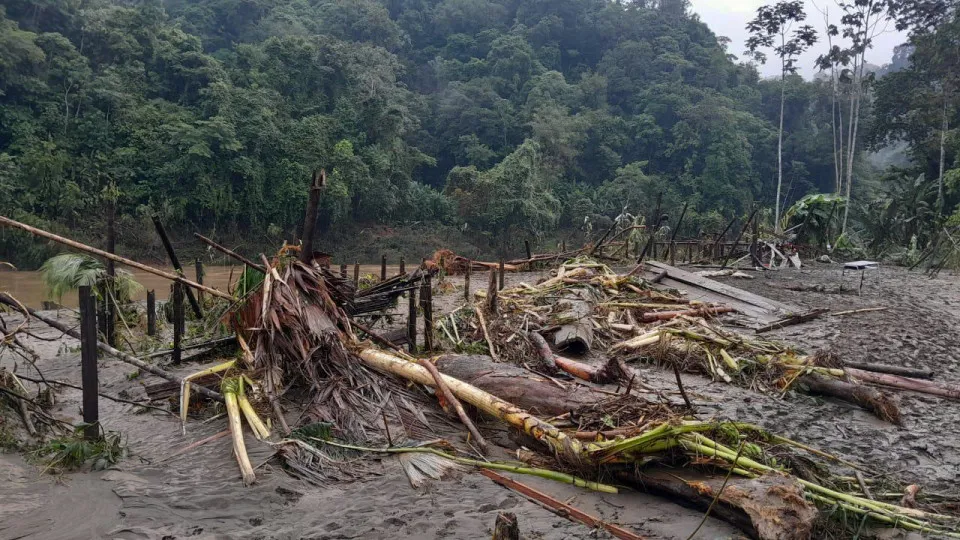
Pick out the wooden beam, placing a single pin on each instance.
(116, 258)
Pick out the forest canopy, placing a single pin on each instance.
(489, 115)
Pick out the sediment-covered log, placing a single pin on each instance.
(575, 311)
(869, 398)
(771, 507)
(906, 383)
(516, 385)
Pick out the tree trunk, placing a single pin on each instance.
(943, 153)
(783, 88)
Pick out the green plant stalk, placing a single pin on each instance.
(900, 513)
(896, 522)
(259, 429)
(542, 473)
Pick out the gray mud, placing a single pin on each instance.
(199, 494)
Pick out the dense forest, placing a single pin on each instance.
(500, 119)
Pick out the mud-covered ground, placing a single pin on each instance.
(199, 493)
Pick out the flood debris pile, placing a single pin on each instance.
(593, 422)
(615, 321)
(301, 340)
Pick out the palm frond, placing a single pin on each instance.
(67, 272)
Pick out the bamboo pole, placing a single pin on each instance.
(116, 258)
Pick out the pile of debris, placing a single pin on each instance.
(301, 349)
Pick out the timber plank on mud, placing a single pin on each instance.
(764, 310)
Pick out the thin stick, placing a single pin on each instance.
(863, 484)
(863, 310)
(452, 400)
(116, 258)
(683, 393)
(560, 508)
(486, 335)
(199, 443)
(717, 497)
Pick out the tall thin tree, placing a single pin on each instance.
(772, 28)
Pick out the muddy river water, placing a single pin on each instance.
(29, 288)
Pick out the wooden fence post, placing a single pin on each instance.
(492, 291)
(383, 267)
(500, 287)
(356, 273)
(403, 266)
(176, 264)
(412, 321)
(198, 269)
(152, 313)
(466, 281)
(178, 321)
(426, 302)
(88, 361)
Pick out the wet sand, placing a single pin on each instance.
(199, 494)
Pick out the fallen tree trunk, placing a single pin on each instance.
(893, 370)
(558, 442)
(869, 398)
(769, 507)
(576, 330)
(513, 384)
(772, 507)
(119, 355)
(906, 383)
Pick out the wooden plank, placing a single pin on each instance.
(723, 289)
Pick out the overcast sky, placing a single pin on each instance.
(729, 18)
